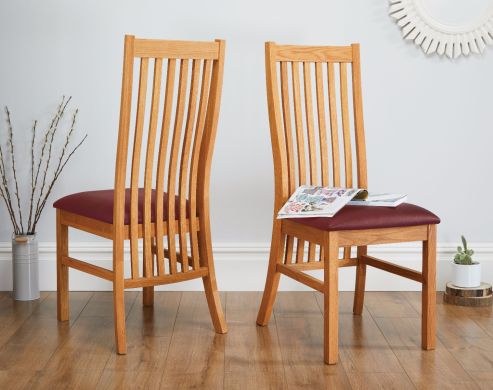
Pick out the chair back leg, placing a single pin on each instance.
(331, 298)
(61, 269)
(273, 276)
(359, 288)
(118, 297)
(210, 284)
(428, 295)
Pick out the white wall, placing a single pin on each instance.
(428, 120)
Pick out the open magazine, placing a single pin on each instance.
(383, 200)
(315, 201)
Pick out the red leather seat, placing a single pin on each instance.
(368, 217)
(99, 205)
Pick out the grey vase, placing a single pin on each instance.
(25, 272)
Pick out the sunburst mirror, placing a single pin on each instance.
(446, 27)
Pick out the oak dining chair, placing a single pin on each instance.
(160, 199)
(311, 91)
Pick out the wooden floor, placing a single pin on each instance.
(173, 345)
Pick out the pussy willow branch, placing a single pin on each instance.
(48, 160)
(12, 156)
(6, 193)
(45, 142)
(33, 138)
(40, 184)
(44, 196)
(46, 137)
(55, 178)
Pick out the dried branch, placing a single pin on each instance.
(12, 155)
(6, 193)
(55, 178)
(33, 188)
(41, 185)
(48, 160)
(43, 196)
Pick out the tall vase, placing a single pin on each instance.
(25, 270)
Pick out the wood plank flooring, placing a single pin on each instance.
(173, 345)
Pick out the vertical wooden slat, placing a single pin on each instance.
(184, 164)
(312, 152)
(300, 141)
(175, 145)
(348, 159)
(358, 118)
(134, 181)
(163, 145)
(334, 131)
(288, 133)
(300, 250)
(151, 140)
(199, 131)
(322, 129)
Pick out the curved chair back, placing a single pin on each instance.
(308, 90)
(165, 143)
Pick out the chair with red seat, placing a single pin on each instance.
(164, 204)
(308, 87)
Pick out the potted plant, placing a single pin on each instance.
(46, 165)
(467, 273)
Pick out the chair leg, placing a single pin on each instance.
(331, 298)
(273, 276)
(359, 288)
(61, 269)
(118, 297)
(428, 295)
(148, 296)
(210, 284)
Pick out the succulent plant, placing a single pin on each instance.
(463, 255)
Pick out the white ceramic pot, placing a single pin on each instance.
(467, 275)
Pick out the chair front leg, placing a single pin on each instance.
(118, 297)
(359, 288)
(428, 295)
(331, 298)
(273, 276)
(61, 269)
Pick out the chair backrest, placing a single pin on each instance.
(165, 144)
(309, 113)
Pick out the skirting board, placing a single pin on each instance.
(243, 266)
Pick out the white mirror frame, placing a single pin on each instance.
(439, 38)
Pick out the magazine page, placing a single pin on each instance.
(315, 201)
(380, 199)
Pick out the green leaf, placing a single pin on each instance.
(464, 242)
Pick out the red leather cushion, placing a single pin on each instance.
(99, 205)
(368, 217)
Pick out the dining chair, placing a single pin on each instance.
(162, 177)
(305, 86)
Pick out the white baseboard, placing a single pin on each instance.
(242, 267)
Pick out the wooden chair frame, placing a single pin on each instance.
(278, 58)
(195, 125)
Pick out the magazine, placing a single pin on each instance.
(382, 200)
(315, 201)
